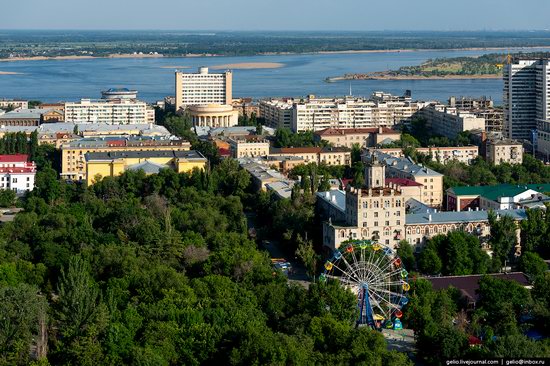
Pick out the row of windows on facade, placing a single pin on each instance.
(14, 180)
(443, 229)
(365, 233)
(386, 223)
(386, 214)
(387, 204)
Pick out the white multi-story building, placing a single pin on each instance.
(316, 114)
(114, 111)
(449, 122)
(526, 97)
(203, 88)
(17, 173)
(15, 104)
(443, 155)
(276, 113)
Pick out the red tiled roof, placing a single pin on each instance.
(403, 182)
(469, 285)
(224, 152)
(353, 131)
(116, 143)
(15, 158)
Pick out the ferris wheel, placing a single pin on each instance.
(375, 274)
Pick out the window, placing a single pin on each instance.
(386, 203)
(398, 203)
(387, 223)
(14, 180)
(398, 213)
(376, 214)
(387, 214)
(376, 223)
(398, 222)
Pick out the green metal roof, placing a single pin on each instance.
(501, 190)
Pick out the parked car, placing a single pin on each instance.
(281, 264)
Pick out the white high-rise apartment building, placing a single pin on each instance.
(543, 90)
(203, 88)
(521, 97)
(113, 111)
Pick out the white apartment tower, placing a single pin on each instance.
(543, 90)
(524, 97)
(203, 88)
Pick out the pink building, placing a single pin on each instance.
(17, 173)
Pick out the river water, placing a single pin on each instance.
(67, 80)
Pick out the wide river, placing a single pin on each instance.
(300, 75)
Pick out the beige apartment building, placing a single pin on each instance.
(318, 155)
(249, 147)
(73, 162)
(503, 151)
(364, 137)
(203, 88)
(443, 155)
(109, 111)
(449, 122)
(432, 181)
(470, 102)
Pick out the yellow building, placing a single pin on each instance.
(111, 164)
(73, 163)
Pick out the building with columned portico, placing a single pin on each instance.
(213, 115)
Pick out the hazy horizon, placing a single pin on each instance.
(280, 15)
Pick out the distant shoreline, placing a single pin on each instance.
(415, 77)
(79, 57)
(130, 55)
(431, 49)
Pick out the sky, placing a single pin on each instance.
(277, 14)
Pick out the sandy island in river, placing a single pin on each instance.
(249, 65)
(175, 67)
(10, 73)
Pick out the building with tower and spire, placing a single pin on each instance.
(375, 211)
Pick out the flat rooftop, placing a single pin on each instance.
(113, 155)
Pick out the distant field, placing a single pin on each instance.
(20, 44)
